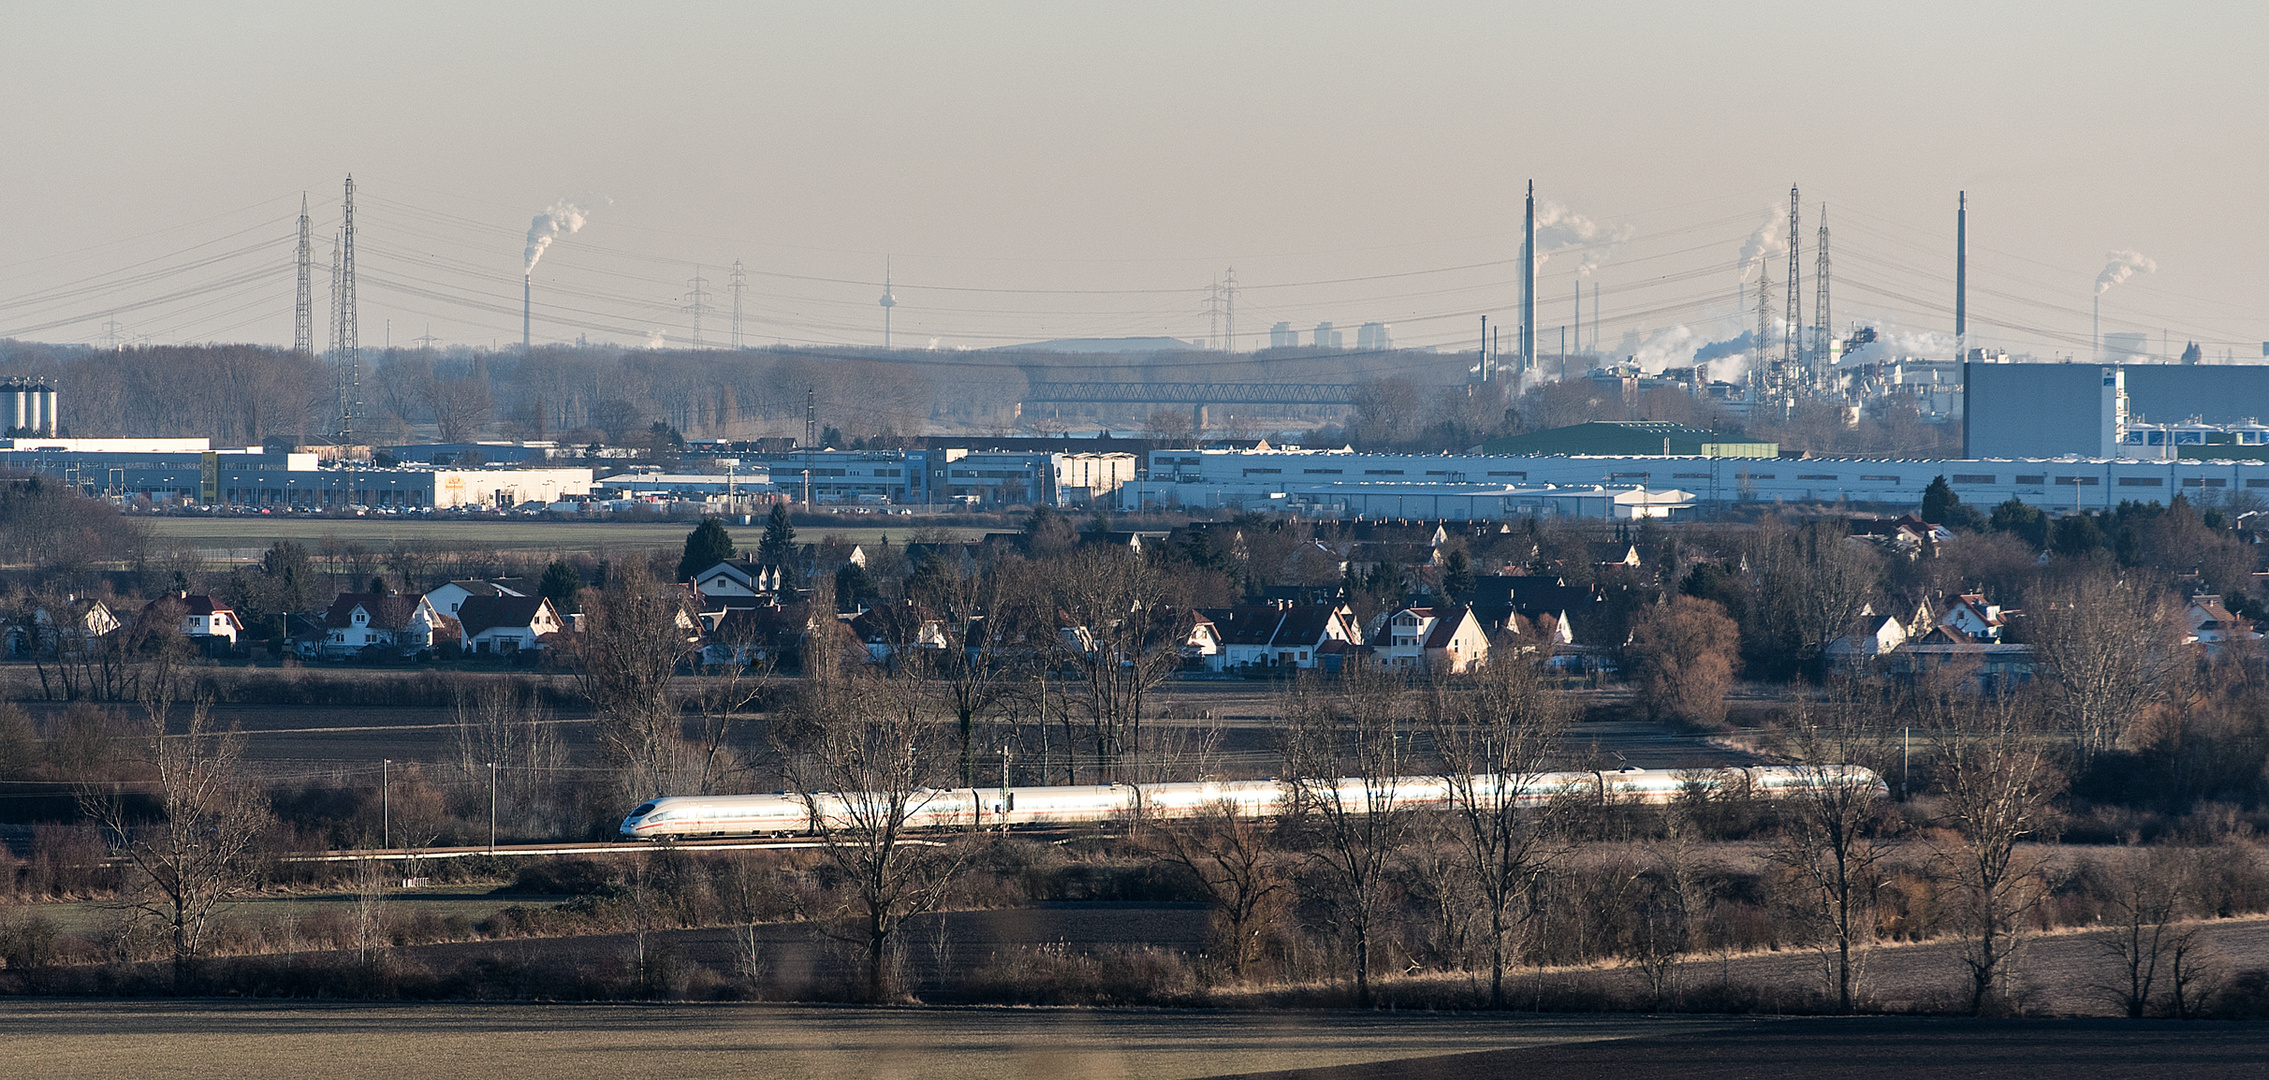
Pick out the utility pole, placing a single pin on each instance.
(737, 282)
(492, 808)
(386, 803)
(303, 312)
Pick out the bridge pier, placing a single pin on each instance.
(1197, 421)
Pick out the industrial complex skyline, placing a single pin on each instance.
(1032, 173)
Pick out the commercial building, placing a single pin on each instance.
(1319, 481)
(260, 477)
(1635, 438)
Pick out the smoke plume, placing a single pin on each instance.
(2121, 265)
(1763, 244)
(1561, 229)
(563, 219)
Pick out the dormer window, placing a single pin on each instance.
(361, 618)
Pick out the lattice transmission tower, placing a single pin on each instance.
(303, 311)
(1823, 328)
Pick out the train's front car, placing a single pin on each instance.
(646, 822)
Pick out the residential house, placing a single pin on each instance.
(67, 630)
(1497, 598)
(889, 629)
(739, 578)
(1201, 644)
(2212, 625)
(360, 624)
(448, 598)
(1873, 636)
(1970, 614)
(1448, 640)
(505, 625)
(1908, 535)
(1281, 635)
(204, 620)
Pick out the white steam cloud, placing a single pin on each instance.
(1763, 244)
(658, 339)
(1561, 229)
(563, 219)
(2121, 265)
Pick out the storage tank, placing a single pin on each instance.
(35, 422)
(14, 404)
(48, 424)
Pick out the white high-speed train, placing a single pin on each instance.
(786, 813)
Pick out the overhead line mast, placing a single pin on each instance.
(350, 364)
(303, 310)
(1824, 331)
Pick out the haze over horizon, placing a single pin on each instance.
(1035, 171)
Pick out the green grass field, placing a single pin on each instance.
(246, 537)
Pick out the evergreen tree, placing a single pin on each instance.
(559, 584)
(1939, 501)
(1457, 574)
(779, 543)
(706, 546)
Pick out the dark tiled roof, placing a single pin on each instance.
(483, 613)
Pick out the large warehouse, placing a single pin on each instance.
(1294, 478)
(172, 471)
(2048, 410)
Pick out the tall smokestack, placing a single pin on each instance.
(527, 304)
(1961, 306)
(1962, 272)
(1528, 283)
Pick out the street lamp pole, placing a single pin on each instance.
(492, 808)
(386, 803)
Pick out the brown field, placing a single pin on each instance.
(246, 537)
(161, 1040)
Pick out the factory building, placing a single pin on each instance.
(1291, 478)
(2049, 410)
(1632, 438)
(257, 477)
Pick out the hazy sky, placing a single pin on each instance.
(1067, 169)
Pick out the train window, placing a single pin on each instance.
(643, 810)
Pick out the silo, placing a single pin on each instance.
(48, 423)
(32, 421)
(13, 402)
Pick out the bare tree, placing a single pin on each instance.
(1495, 740)
(206, 848)
(1997, 790)
(1683, 654)
(2111, 646)
(1232, 854)
(2144, 907)
(1343, 753)
(498, 726)
(867, 756)
(634, 636)
(1833, 827)
(971, 671)
(1120, 642)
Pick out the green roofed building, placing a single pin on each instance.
(1632, 438)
